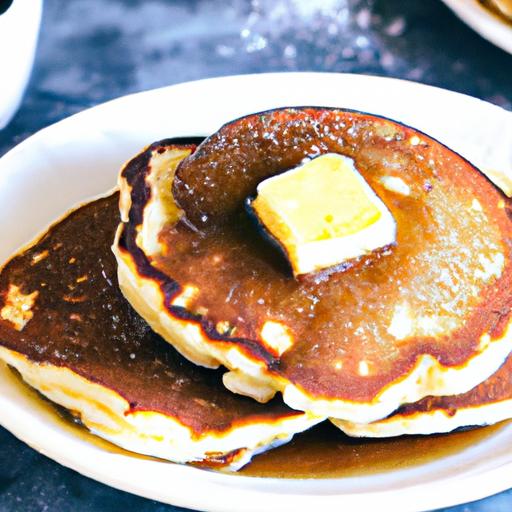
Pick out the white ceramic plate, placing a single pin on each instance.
(489, 25)
(79, 157)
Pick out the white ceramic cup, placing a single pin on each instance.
(19, 28)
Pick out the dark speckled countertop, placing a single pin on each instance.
(94, 50)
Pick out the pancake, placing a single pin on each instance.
(67, 329)
(431, 316)
(487, 404)
(502, 8)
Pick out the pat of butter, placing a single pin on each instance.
(323, 213)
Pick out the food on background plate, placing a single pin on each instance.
(67, 329)
(501, 7)
(429, 315)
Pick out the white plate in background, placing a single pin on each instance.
(489, 25)
(79, 157)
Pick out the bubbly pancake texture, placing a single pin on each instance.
(486, 404)
(65, 326)
(430, 316)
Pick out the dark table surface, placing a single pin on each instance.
(94, 50)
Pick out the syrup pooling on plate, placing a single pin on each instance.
(309, 455)
(324, 452)
(442, 286)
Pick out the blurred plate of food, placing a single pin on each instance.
(492, 19)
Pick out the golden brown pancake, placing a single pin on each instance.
(488, 403)
(65, 326)
(502, 8)
(431, 316)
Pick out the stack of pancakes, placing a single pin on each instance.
(415, 340)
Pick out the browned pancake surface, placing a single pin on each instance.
(82, 322)
(345, 319)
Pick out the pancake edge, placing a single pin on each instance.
(107, 414)
(435, 421)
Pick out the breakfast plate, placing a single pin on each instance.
(79, 158)
(489, 24)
